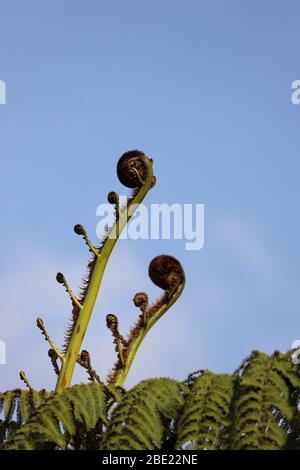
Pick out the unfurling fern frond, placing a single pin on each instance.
(264, 393)
(206, 414)
(61, 417)
(140, 420)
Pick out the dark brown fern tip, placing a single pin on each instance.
(85, 358)
(53, 356)
(22, 375)
(40, 323)
(166, 272)
(60, 278)
(52, 353)
(112, 197)
(79, 230)
(112, 323)
(141, 300)
(131, 169)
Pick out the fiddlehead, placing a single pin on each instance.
(132, 170)
(112, 324)
(167, 273)
(84, 359)
(56, 352)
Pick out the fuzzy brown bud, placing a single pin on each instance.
(166, 272)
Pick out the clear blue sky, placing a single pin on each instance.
(203, 87)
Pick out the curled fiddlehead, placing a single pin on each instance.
(166, 272)
(84, 359)
(131, 169)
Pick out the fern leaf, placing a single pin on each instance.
(137, 422)
(59, 417)
(262, 389)
(205, 416)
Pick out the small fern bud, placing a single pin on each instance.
(166, 272)
(60, 278)
(40, 324)
(85, 358)
(25, 380)
(141, 300)
(22, 375)
(112, 323)
(79, 229)
(113, 197)
(52, 354)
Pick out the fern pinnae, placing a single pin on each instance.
(205, 416)
(137, 421)
(262, 390)
(9, 406)
(59, 416)
(123, 432)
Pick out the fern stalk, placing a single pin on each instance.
(122, 373)
(67, 369)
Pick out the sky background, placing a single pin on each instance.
(203, 87)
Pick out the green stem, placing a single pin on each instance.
(67, 369)
(137, 341)
(41, 326)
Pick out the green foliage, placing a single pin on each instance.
(17, 406)
(254, 408)
(205, 416)
(141, 419)
(63, 419)
(257, 407)
(265, 386)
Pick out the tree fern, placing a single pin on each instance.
(257, 407)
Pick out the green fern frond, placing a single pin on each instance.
(205, 416)
(17, 405)
(139, 421)
(59, 417)
(263, 388)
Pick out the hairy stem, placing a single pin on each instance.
(122, 373)
(67, 369)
